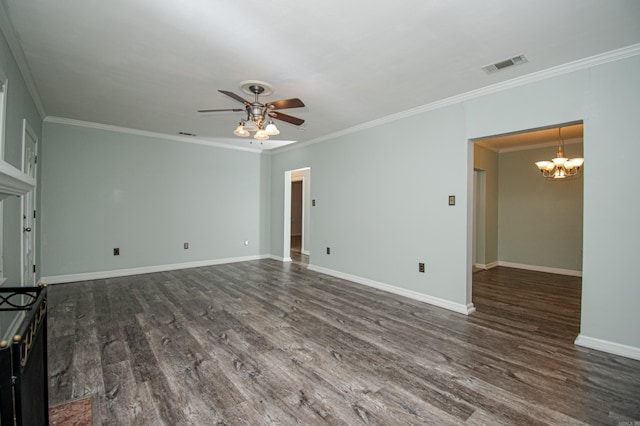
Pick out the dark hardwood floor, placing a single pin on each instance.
(263, 342)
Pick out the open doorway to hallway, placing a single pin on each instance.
(297, 215)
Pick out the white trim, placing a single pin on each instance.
(436, 301)
(592, 61)
(27, 131)
(88, 276)
(108, 127)
(280, 259)
(559, 271)
(4, 84)
(286, 225)
(18, 55)
(487, 266)
(606, 346)
(13, 181)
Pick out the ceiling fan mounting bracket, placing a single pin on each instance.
(256, 87)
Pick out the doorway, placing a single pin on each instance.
(514, 210)
(297, 215)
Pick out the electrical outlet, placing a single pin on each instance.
(328, 250)
(186, 246)
(116, 251)
(421, 267)
(313, 203)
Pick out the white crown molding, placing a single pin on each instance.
(108, 127)
(18, 55)
(603, 58)
(436, 301)
(88, 276)
(606, 346)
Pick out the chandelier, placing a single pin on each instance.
(560, 167)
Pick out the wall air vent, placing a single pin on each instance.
(516, 60)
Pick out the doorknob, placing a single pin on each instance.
(27, 229)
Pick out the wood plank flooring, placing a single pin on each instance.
(263, 342)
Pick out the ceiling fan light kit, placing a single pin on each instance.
(257, 113)
(241, 131)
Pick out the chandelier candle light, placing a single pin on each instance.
(560, 167)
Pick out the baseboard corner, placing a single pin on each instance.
(607, 346)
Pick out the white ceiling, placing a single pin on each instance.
(150, 64)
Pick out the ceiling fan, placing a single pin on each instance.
(258, 114)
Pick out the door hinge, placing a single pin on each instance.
(34, 269)
(36, 160)
(34, 214)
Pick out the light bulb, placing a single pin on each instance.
(261, 135)
(271, 129)
(241, 131)
(251, 126)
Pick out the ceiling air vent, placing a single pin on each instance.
(516, 60)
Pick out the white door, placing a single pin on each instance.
(29, 164)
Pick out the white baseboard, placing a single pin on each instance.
(305, 252)
(442, 303)
(559, 271)
(487, 266)
(88, 276)
(606, 346)
(280, 259)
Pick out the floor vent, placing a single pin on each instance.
(516, 60)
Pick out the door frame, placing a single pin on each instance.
(27, 130)
(286, 246)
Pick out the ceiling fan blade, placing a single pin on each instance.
(284, 117)
(236, 97)
(285, 104)
(220, 110)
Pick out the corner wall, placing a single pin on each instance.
(103, 189)
(20, 105)
(382, 193)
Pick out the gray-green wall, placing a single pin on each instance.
(19, 106)
(540, 221)
(382, 203)
(382, 193)
(147, 196)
